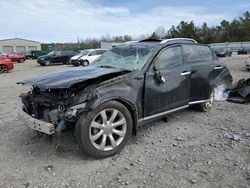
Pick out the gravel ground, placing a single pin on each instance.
(192, 149)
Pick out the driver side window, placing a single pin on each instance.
(169, 57)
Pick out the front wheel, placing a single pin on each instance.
(104, 131)
(47, 63)
(85, 63)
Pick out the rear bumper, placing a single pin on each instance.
(38, 125)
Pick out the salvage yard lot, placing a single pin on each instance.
(192, 149)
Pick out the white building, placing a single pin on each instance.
(18, 45)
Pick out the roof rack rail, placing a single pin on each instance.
(178, 39)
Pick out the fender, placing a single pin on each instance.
(127, 102)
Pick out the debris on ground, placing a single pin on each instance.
(241, 92)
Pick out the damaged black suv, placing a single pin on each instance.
(129, 85)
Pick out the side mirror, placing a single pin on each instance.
(159, 77)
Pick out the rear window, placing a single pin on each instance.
(197, 53)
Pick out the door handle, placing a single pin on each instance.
(185, 73)
(218, 67)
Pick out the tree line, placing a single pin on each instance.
(237, 30)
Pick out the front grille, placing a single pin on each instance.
(75, 61)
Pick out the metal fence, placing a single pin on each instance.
(234, 46)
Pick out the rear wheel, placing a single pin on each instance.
(205, 106)
(104, 131)
(3, 69)
(21, 61)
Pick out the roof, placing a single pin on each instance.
(19, 39)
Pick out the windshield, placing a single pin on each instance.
(84, 52)
(124, 57)
(51, 53)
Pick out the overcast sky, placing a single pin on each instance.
(66, 20)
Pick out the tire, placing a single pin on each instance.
(21, 61)
(3, 69)
(205, 106)
(107, 139)
(47, 63)
(85, 63)
(248, 70)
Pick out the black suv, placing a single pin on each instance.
(129, 85)
(56, 57)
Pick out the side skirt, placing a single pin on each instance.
(162, 114)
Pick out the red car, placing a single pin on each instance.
(16, 58)
(5, 65)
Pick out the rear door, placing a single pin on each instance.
(167, 83)
(204, 69)
(62, 57)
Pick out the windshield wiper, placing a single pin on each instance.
(106, 66)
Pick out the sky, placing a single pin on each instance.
(68, 20)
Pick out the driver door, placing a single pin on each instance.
(167, 82)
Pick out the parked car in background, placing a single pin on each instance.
(244, 51)
(16, 58)
(34, 54)
(86, 57)
(248, 63)
(13, 57)
(223, 52)
(129, 85)
(5, 65)
(56, 57)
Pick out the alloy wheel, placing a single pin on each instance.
(108, 129)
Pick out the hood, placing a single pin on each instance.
(44, 56)
(69, 77)
(76, 57)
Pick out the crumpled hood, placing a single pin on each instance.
(69, 77)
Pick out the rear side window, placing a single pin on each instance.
(169, 57)
(197, 53)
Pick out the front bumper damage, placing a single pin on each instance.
(42, 115)
(38, 125)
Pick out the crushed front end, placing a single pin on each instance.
(50, 111)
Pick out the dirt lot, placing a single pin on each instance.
(191, 150)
